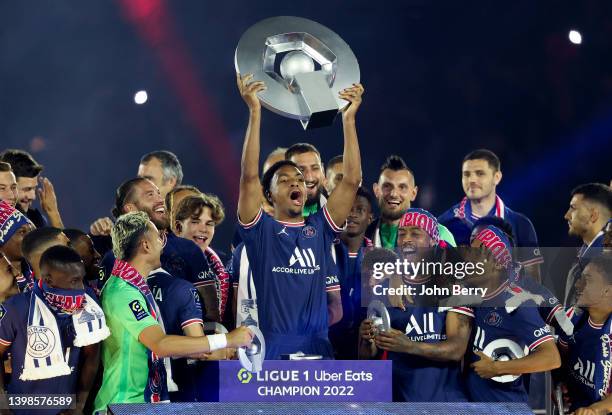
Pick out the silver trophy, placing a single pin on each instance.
(304, 65)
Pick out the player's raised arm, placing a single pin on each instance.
(249, 200)
(341, 200)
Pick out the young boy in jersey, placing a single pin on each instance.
(426, 344)
(133, 357)
(587, 353)
(290, 257)
(195, 218)
(509, 316)
(52, 332)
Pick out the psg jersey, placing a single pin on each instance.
(520, 327)
(179, 304)
(418, 379)
(290, 264)
(587, 359)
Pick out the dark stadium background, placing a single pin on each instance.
(441, 78)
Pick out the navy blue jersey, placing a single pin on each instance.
(178, 301)
(550, 308)
(587, 359)
(344, 334)
(520, 326)
(181, 258)
(25, 282)
(179, 304)
(290, 264)
(460, 222)
(13, 334)
(417, 379)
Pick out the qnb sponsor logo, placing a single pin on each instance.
(541, 332)
(332, 280)
(302, 262)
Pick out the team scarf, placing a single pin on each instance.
(44, 355)
(156, 389)
(221, 278)
(420, 218)
(464, 211)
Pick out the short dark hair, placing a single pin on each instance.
(74, 234)
(266, 180)
(484, 154)
(395, 163)
(22, 163)
(595, 192)
(603, 263)
(366, 194)
(171, 165)
(37, 238)
(124, 193)
(5, 167)
(301, 148)
(59, 256)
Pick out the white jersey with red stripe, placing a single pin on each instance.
(519, 325)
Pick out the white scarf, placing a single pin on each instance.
(44, 358)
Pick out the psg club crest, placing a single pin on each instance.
(41, 341)
(493, 318)
(309, 232)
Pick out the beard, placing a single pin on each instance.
(314, 197)
(392, 215)
(161, 222)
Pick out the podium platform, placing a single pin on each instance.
(315, 408)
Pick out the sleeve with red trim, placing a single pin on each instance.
(332, 281)
(463, 310)
(530, 327)
(190, 308)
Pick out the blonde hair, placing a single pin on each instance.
(126, 233)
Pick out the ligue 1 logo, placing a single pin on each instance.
(244, 376)
(41, 341)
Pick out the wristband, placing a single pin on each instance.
(217, 341)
